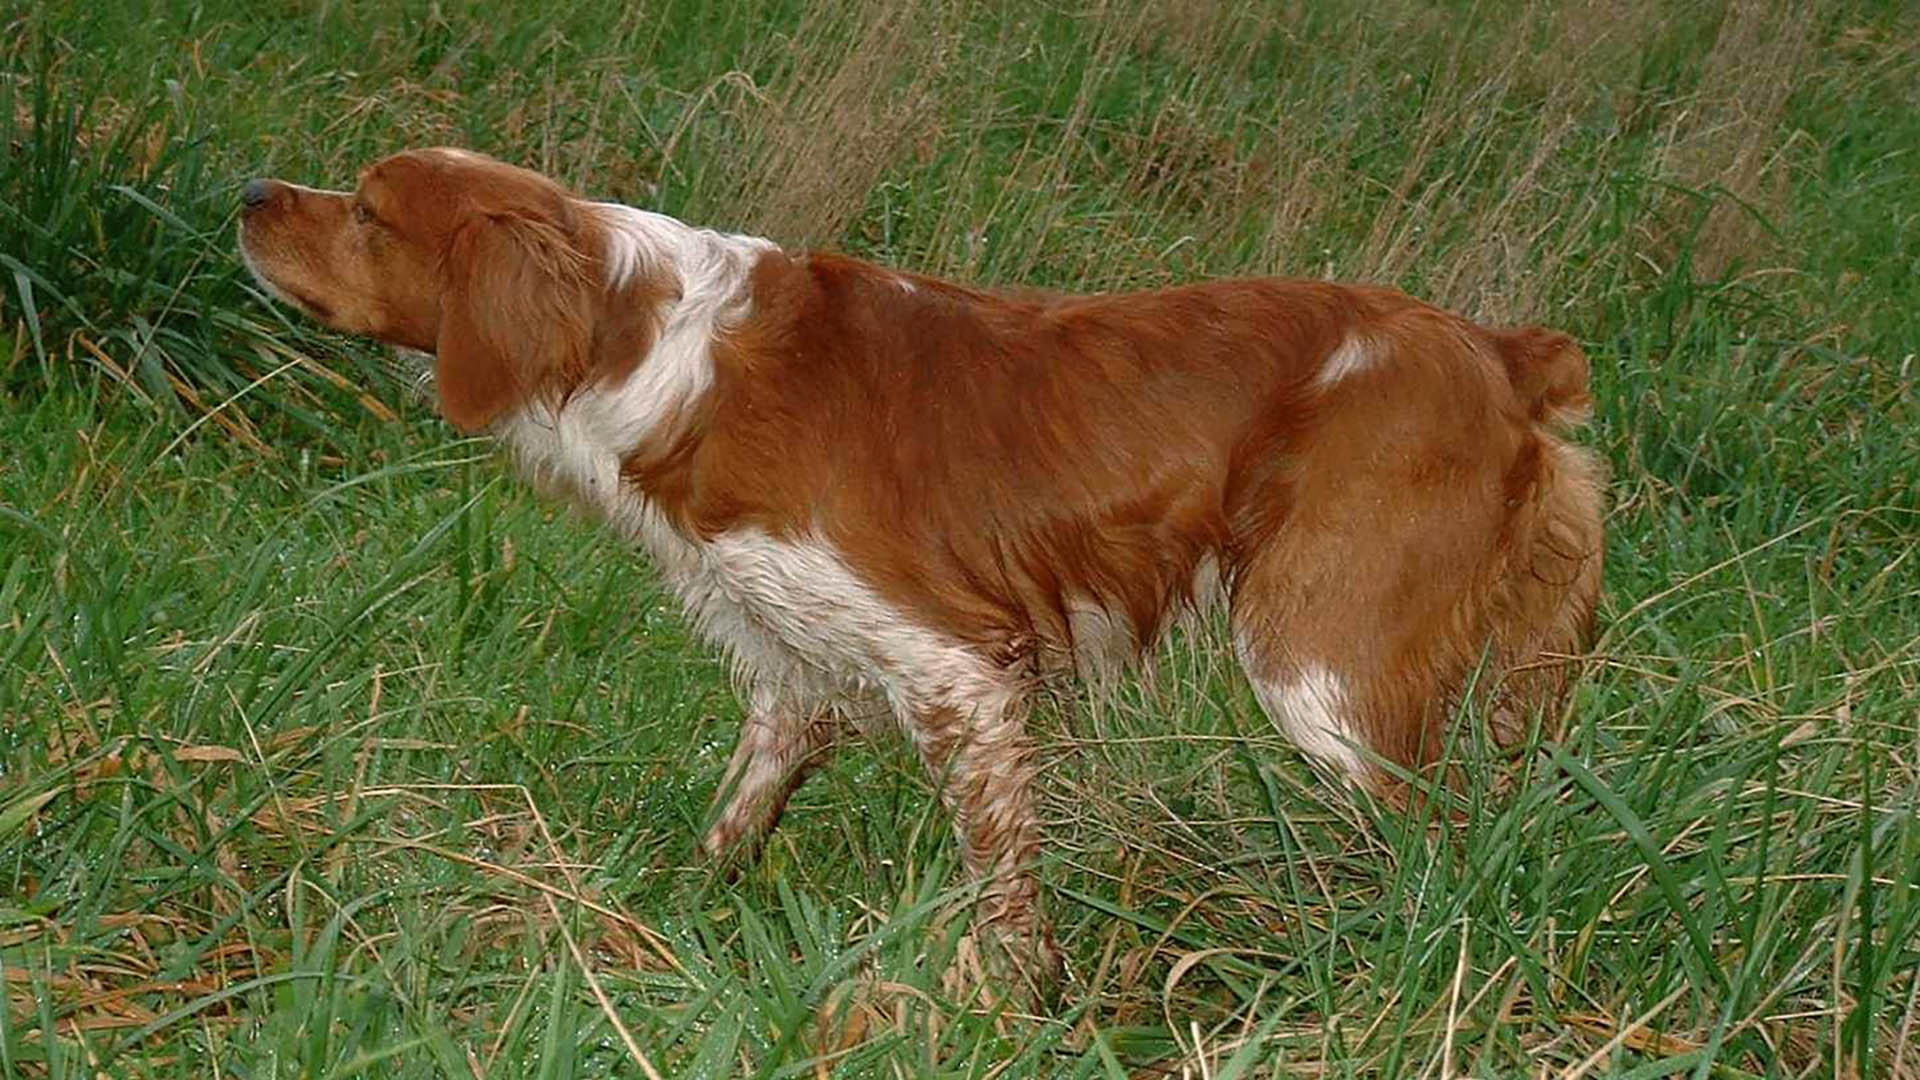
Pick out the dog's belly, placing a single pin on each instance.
(799, 626)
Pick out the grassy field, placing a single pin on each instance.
(327, 750)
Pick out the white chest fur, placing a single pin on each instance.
(799, 626)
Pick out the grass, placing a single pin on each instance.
(326, 750)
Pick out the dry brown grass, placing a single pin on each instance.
(1728, 140)
(1210, 179)
(860, 94)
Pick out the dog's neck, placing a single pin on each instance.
(576, 446)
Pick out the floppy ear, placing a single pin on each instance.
(514, 320)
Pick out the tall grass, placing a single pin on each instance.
(325, 750)
(115, 246)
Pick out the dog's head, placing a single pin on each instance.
(495, 270)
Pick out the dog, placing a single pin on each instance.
(882, 493)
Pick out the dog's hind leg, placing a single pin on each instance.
(1367, 553)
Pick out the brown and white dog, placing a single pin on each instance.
(882, 493)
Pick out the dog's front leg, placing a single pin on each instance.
(782, 740)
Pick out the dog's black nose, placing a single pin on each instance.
(256, 194)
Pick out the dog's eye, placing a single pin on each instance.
(362, 213)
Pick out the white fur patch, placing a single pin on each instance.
(792, 616)
(1311, 709)
(1103, 639)
(803, 594)
(711, 265)
(580, 448)
(1209, 586)
(266, 284)
(1353, 356)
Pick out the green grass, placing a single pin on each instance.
(326, 750)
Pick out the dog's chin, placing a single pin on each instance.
(287, 295)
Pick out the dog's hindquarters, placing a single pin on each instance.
(1384, 552)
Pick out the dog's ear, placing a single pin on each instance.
(515, 317)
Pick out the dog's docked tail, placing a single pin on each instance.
(1549, 372)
